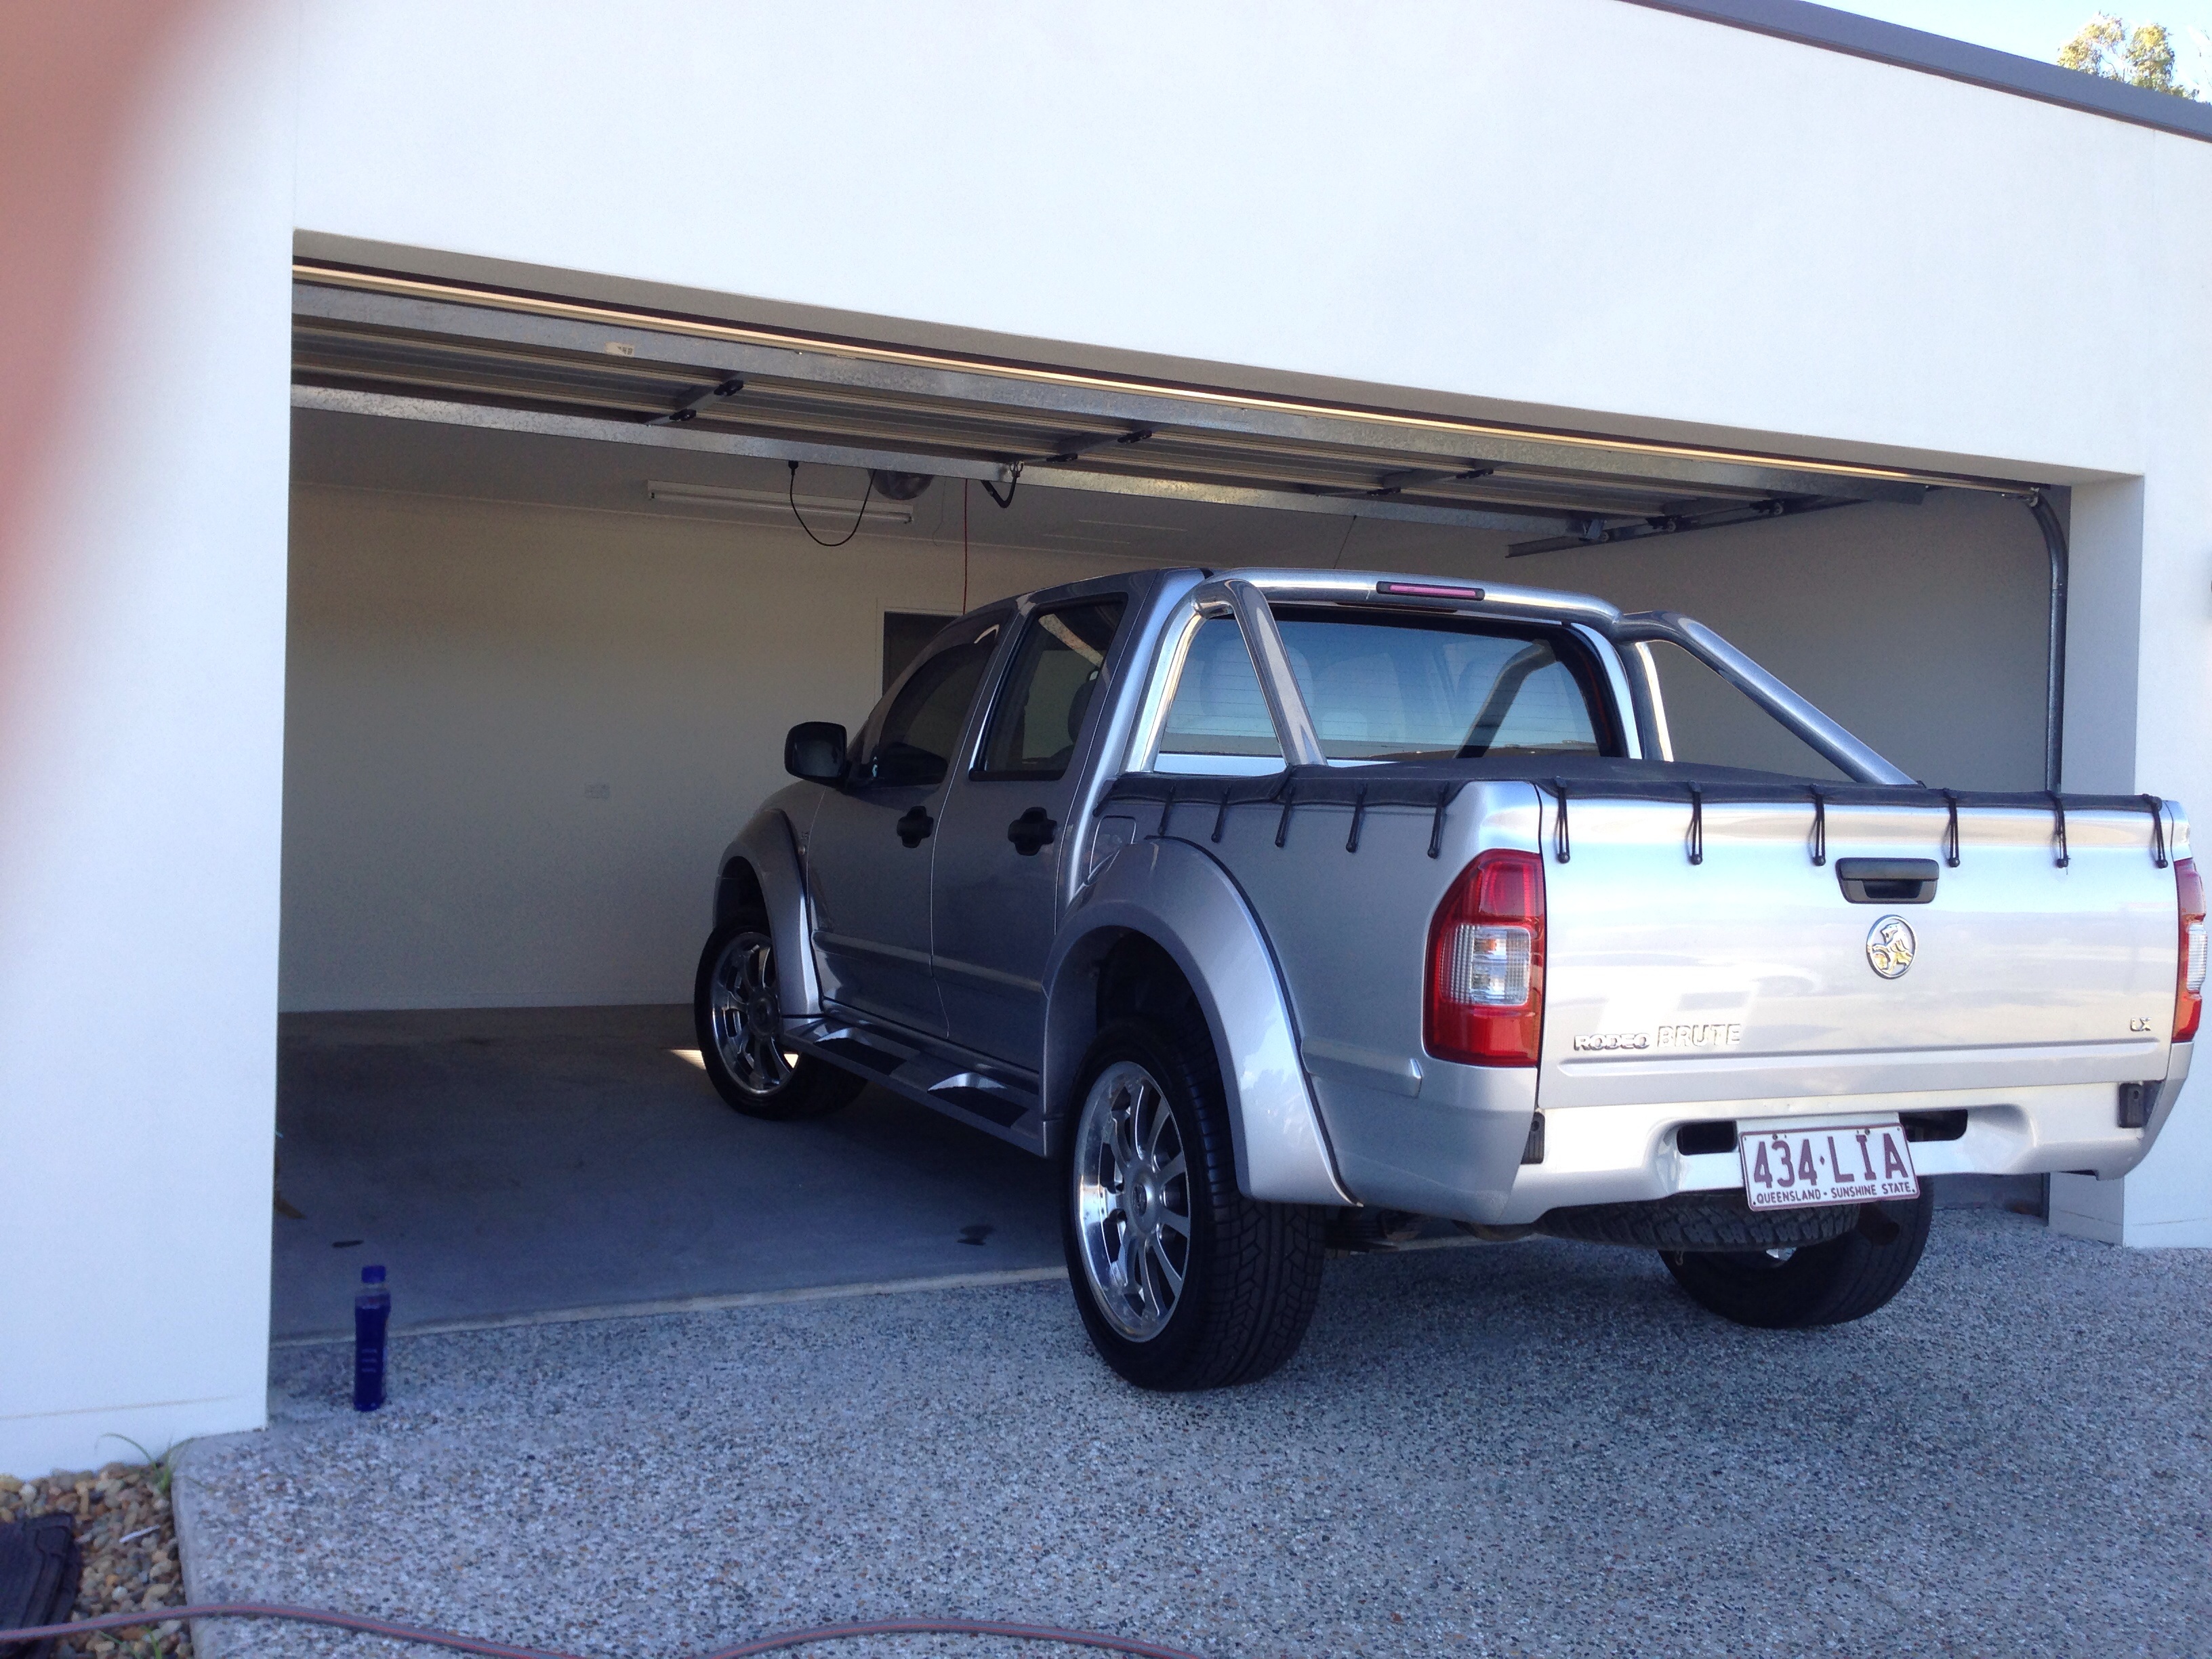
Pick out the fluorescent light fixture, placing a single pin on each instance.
(773, 503)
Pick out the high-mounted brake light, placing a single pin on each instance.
(2189, 973)
(1484, 998)
(1429, 589)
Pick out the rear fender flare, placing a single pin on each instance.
(1187, 904)
(767, 849)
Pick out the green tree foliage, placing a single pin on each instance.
(2141, 56)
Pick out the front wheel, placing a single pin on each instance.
(1831, 1283)
(738, 1013)
(1183, 1282)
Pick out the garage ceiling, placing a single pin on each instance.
(378, 343)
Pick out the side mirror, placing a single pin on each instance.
(815, 749)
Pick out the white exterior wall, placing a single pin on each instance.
(139, 794)
(1717, 234)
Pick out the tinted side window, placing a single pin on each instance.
(913, 742)
(1049, 689)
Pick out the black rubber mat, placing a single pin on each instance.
(38, 1568)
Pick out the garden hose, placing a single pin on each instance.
(779, 1642)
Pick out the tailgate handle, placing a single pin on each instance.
(1887, 881)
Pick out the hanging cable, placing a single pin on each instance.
(1013, 485)
(791, 495)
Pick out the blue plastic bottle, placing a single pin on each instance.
(371, 1311)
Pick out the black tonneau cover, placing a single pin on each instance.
(1435, 783)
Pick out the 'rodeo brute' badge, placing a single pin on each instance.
(1889, 947)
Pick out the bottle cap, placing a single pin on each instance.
(372, 1275)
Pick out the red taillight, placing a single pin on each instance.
(2189, 976)
(1484, 1002)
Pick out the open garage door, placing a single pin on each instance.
(374, 342)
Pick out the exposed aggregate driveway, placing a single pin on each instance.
(1534, 1449)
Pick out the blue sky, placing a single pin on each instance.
(2036, 28)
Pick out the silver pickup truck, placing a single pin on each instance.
(1282, 907)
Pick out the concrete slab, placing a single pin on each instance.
(517, 1164)
(529, 1161)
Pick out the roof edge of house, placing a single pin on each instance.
(1955, 60)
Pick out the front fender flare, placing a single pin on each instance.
(767, 845)
(1187, 904)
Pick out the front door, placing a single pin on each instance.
(999, 871)
(869, 853)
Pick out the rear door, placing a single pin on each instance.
(869, 853)
(1000, 860)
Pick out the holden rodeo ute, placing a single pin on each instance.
(1277, 902)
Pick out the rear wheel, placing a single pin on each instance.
(738, 1015)
(1183, 1282)
(1830, 1284)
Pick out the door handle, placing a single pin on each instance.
(1030, 831)
(915, 827)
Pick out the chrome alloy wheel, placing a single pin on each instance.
(748, 1016)
(1131, 1200)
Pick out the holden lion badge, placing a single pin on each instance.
(1889, 947)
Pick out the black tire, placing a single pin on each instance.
(1831, 1283)
(735, 1012)
(1250, 1271)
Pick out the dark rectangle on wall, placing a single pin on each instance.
(905, 632)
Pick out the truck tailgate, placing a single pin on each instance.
(1750, 976)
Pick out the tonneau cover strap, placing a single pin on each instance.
(2157, 809)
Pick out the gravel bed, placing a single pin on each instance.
(129, 1540)
(1535, 1449)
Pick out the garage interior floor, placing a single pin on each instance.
(504, 1162)
(507, 1165)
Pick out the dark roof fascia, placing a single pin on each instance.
(1846, 32)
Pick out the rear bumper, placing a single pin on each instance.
(1626, 1154)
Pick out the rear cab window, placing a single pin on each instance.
(1391, 688)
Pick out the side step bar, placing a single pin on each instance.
(996, 1102)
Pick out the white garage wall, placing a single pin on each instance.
(463, 672)
(1921, 628)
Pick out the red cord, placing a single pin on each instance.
(776, 1644)
(963, 547)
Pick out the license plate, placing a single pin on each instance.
(1793, 1167)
